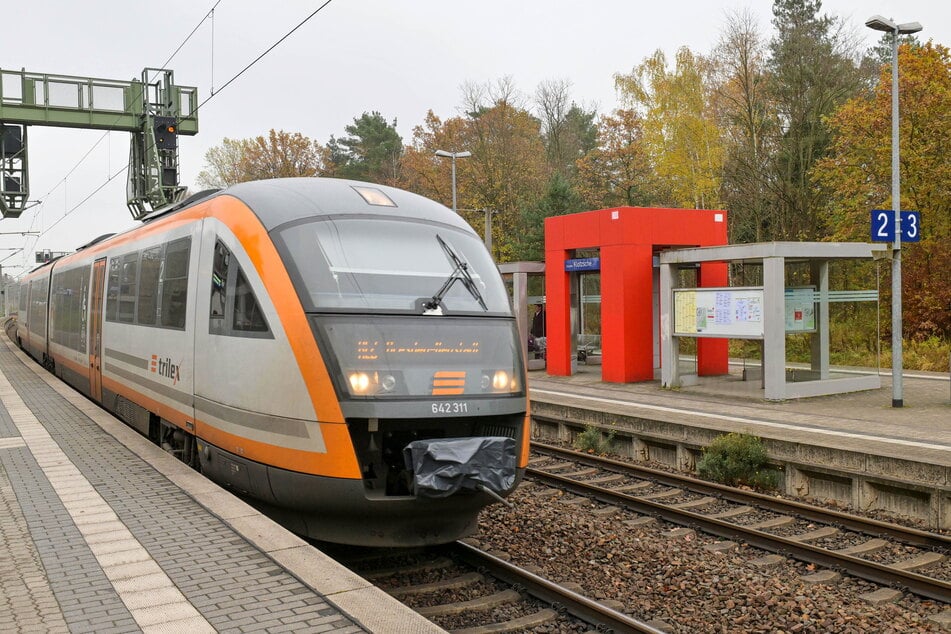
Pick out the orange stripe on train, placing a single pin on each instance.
(445, 391)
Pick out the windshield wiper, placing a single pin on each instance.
(459, 272)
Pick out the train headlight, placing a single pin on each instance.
(359, 382)
(499, 381)
(372, 383)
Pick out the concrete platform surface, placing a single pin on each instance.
(860, 421)
(101, 531)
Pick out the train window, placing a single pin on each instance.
(235, 310)
(128, 285)
(149, 270)
(112, 295)
(39, 298)
(219, 281)
(23, 293)
(68, 326)
(175, 283)
(247, 313)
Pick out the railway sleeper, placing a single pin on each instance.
(776, 522)
(865, 548)
(515, 625)
(918, 562)
(440, 563)
(819, 533)
(455, 583)
(472, 605)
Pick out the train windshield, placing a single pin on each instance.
(381, 264)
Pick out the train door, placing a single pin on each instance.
(95, 329)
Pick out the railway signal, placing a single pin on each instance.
(154, 110)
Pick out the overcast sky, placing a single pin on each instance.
(400, 57)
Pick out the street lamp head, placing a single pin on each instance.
(879, 23)
(452, 155)
(909, 27)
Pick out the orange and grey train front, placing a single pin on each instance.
(416, 333)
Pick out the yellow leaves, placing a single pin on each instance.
(681, 135)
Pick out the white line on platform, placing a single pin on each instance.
(123, 559)
(738, 419)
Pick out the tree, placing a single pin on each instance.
(746, 117)
(560, 199)
(280, 154)
(426, 174)
(371, 151)
(568, 130)
(680, 130)
(222, 165)
(811, 74)
(855, 177)
(508, 170)
(618, 171)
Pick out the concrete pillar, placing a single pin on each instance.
(820, 339)
(774, 326)
(669, 344)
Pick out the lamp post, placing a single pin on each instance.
(453, 156)
(879, 23)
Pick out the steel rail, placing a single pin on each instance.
(560, 598)
(871, 571)
(868, 526)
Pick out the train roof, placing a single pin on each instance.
(282, 200)
(279, 201)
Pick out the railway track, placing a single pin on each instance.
(880, 552)
(468, 591)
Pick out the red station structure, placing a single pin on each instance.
(628, 239)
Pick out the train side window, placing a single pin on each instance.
(149, 271)
(175, 283)
(247, 313)
(219, 282)
(68, 312)
(39, 294)
(235, 310)
(112, 294)
(128, 287)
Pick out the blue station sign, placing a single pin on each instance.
(883, 226)
(583, 264)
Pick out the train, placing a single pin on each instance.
(341, 354)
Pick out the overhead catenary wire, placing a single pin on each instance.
(106, 134)
(194, 110)
(260, 57)
(82, 159)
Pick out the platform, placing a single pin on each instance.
(101, 531)
(854, 448)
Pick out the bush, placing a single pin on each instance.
(592, 440)
(737, 459)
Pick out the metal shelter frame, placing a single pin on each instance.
(773, 256)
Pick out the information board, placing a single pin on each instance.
(719, 312)
(800, 309)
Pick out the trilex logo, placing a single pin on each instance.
(165, 367)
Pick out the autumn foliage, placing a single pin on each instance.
(790, 132)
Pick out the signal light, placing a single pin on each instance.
(166, 133)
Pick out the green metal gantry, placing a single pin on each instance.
(154, 110)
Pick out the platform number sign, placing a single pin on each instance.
(883, 226)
